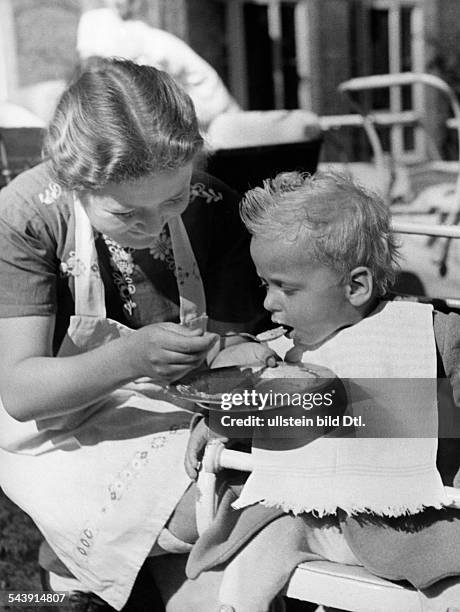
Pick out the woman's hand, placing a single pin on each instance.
(34, 384)
(167, 351)
(245, 353)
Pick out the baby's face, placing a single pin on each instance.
(306, 296)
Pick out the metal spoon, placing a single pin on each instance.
(270, 334)
(265, 336)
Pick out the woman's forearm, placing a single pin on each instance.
(39, 387)
(34, 385)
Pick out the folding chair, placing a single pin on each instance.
(434, 194)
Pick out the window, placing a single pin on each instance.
(396, 43)
(268, 45)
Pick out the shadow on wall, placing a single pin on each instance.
(45, 34)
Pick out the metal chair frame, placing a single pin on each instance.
(371, 120)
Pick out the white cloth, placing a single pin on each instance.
(14, 115)
(101, 482)
(381, 356)
(102, 32)
(255, 128)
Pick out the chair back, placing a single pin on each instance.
(250, 146)
(20, 149)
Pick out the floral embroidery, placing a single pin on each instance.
(85, 542)
(162, 248)
(73, 266)
(132, 470)
(124, 479)
(158, 442)
(51, 194)
(123, 266)
(199, 190)
(121, 261)
(126, 476)
(116, 489)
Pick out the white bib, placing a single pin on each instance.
(386, 466)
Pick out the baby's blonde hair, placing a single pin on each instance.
(337, 222)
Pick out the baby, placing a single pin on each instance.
(372, 496)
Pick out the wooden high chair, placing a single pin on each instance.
(332, 584)
(326, 583)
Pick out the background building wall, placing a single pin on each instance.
(45, 32)
(334, 52)
(44, 40)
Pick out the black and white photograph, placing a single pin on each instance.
(230, 305)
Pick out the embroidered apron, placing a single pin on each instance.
(100, 483)
(387, 466)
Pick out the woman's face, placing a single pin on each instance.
(133, 213)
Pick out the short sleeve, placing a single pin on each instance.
(28, 263)
(233, 292)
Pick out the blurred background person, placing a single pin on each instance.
(115, 30)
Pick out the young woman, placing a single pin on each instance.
(113, 256)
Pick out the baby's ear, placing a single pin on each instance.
(360, 287)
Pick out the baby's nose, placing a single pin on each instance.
(269, 302)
